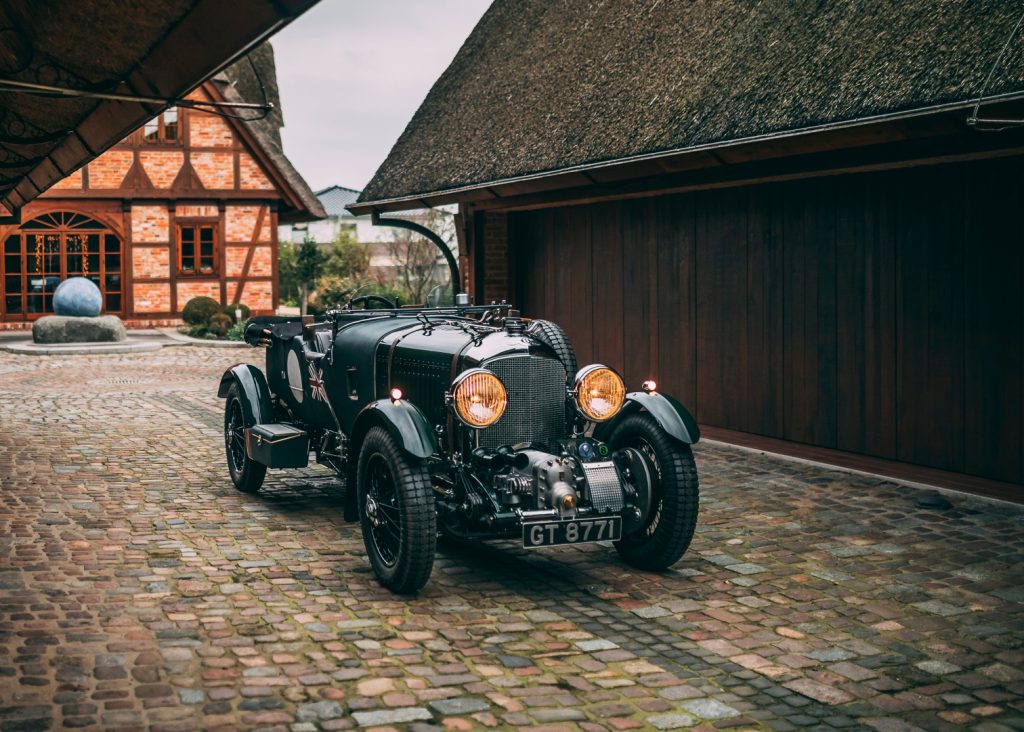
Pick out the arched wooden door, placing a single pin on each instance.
(50, 248)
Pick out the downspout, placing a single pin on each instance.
(453, 266)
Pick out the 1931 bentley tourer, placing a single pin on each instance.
(468, 420)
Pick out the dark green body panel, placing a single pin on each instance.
(253, 390)
(350, 380)
(669, 413)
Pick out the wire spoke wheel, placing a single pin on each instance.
(396, 511)
(246, 474)
(382, 510)
(234, 435)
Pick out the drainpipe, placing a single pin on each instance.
(453, 266)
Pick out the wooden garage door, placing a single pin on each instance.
(878, 313)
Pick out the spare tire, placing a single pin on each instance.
(554, 337)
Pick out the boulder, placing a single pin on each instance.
(77, 296)
(70, 329)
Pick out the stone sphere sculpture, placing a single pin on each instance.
(77, 296)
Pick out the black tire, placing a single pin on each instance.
(246, 474)
(553, 336)
(668, 527)
(400, 527)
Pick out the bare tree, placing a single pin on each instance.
(416, 264)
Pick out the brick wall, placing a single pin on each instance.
(151, 262)
(152, 297)
(188, 289)
(149, 224)
(495, 258)
(110, 168)
(240, 221)
(72, 182)
(149, 253)
(206, 130)
(215, 170)
(262, 264)
(250, 176)
(161, 166)
(257, 295)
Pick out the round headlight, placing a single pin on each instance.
(479, 398)
(599, 392)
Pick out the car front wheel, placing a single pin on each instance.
(669, 522)
(246, 474)
(396, 511)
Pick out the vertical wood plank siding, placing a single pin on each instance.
(879, 314)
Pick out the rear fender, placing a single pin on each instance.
(672, 416)
(253, 392)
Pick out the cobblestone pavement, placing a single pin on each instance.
(138, 589)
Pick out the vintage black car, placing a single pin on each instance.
(468, 420)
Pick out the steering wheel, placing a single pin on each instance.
(365, 301)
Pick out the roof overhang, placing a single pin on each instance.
(937, 132)
(160, 49)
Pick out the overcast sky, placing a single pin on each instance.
(353, 73)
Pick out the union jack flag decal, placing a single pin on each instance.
(316, 383)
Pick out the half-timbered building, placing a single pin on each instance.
(187, 205)
(784, 212)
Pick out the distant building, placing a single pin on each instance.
(334, 199)
(186, 205)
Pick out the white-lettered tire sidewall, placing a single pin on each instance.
(677, 495)
(418, 531)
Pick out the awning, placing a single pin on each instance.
(160, 50)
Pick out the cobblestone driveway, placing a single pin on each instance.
(139, 590)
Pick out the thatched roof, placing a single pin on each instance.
(545, 85)
(160, 48)
(239, 82)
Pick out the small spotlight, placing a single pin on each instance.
(568, 501)
(649, 386)
(396, 395)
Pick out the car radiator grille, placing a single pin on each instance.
(605, 491)
(536, 401)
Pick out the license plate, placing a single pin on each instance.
(556, 533)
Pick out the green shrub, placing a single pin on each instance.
(391, 292)
(229, 310)
(237, 332)
(334, 292)
(199, 310)
(220, 324)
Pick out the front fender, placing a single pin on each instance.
(253, 390)
(672, 416)
(404, 422)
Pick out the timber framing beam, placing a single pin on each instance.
(184, 52)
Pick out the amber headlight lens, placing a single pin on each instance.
(479, 398)
(599, 392)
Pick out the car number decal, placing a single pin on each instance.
(316, 383)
